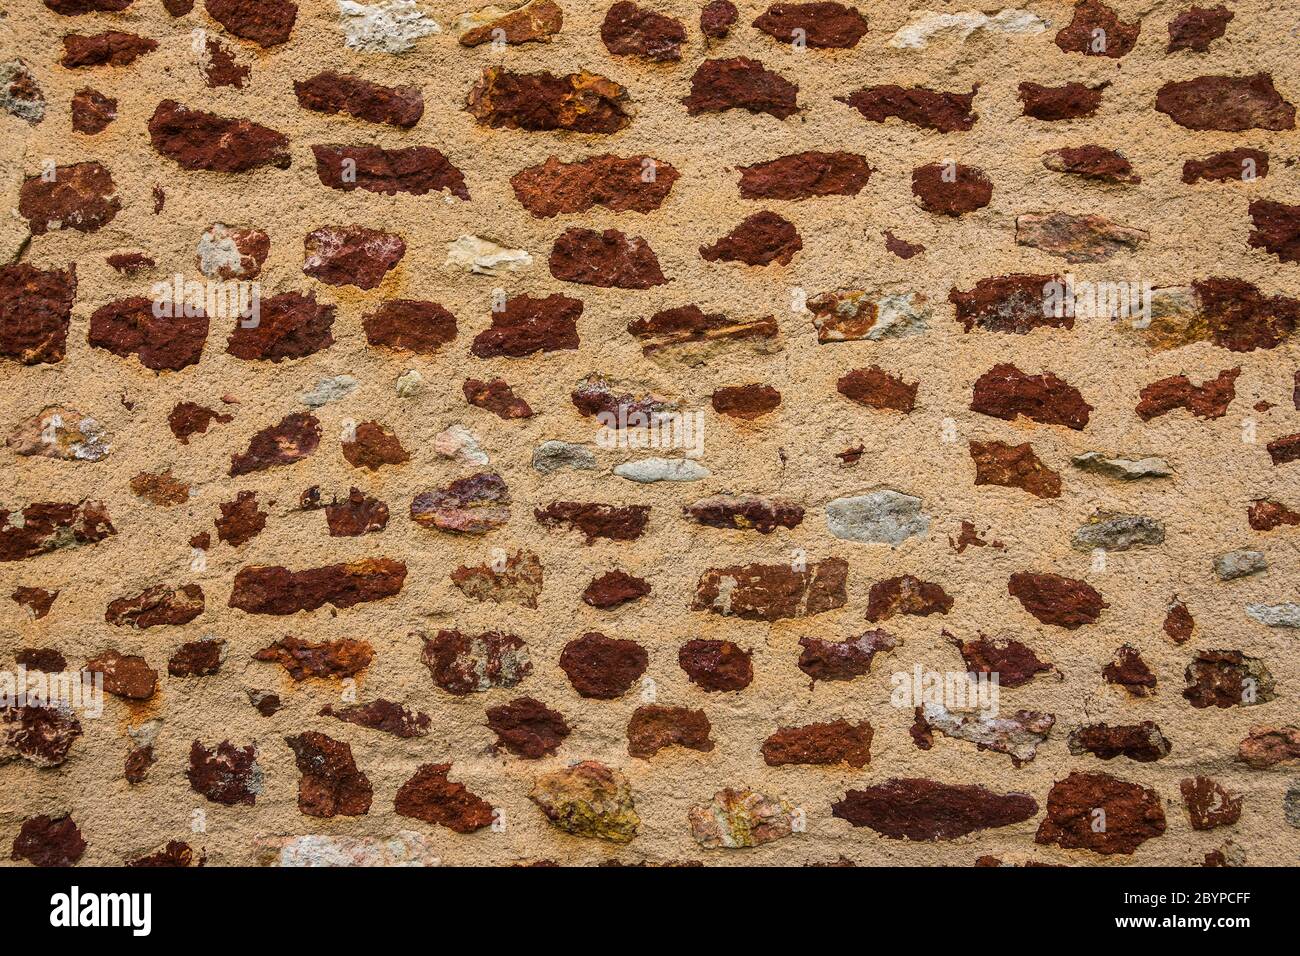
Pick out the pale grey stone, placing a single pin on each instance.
(329, 390)
(551, 456)
(1275, 615)
(1238, 564)
(387, 26)
(1118, 533)
(1291, 804)
(648, 470)
(1018, 736)
(881, 517)
(1122, 467)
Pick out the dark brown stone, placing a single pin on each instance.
(351, 255)
(581, 102)
(951, 189)
(529, 325)
(355, 515)
(431, 797)
(637, 183)
(42, 736)
(537, 20)
(1178, 623)
(876, 388)
(1266, 514)
(843, 660)
(225, 774)
(763, 515)
(38, 601)
(331, 785)
(1276, 228)
(160, 488)
(1270, 746)
(1232, 104)
(612, 522)
(129, 263)
(112, 48)
(1240, 318)
(1207, 400)
(631, 30)
(926, 108)
(220, 68)
(716, 665)
(606, 259)
(241, 520)
(46, 526)
(92, 111)
(820, 744)
(1209, 803)
(48, 841)
(1054, 599)
(1132, 814)
(1227, 166)
(75, 8)
(1014, 466)
(1195, 28)
(1054, 103)
(1014, 662)
(1142, 742)
(414, 169)
(527, 728)
(1285, 449)
(135, 769)
(294, 438)
(1227, 678)
(901, 247)
(35, 312)
(772, 592)
(740, 83)
(372, 446)
(474, 505)
(277, 590)
(1097, 30)
(603, 667)
(614, 588)
(596, 397)
(176, 853)
(411, 325)
(290, 325)
(920, 809)
(1092, 162)
(1011, 303)
(82, 196)
(906, 595)
(468, 663)
(350, 93)
(654, 727)
(198, 140)
(197, 658)
(125, 675)
(302, 659)
(758, 240)
(717, 17)
(497, 397)
(690, 325)
(1128, 670)
(385, 716)
(816, 25)
(266, 22)
(266, 704)
(130, 327)
(745, 401)
(1006, 392)
(516, 580)
(158, 605)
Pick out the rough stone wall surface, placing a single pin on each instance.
(886, 502)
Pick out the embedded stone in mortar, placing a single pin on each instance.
(650, 470)
(880, 517)
(925, 27)
(740, 818)
(486, 258)
(60, 432)
(588, 799)
(387, 26)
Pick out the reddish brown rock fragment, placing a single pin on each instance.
(716, 665)
(537, 20)
(1128, 670)
(92, 111)
(351, 255)
(158, 605)
(1276, 228)
(1014, 466)
(474, 505)
(906, 595)
(1178, 622)
(1266, 514)
(277, 590)
(497, 397)
(529, 325)
(613, 589)
(225, 774)
(603, 667)
(197, 658)
(163, 343)
(351, 93)
(876, 388)
(1207, 400)
(654, 727)
(1133, 814)
(355, 515)
(717, 17)
(1242, 164)
(431, 797)
(266, 22)
(1011, 303)
(266, 704)
(1053, 103)
(581, 102)
(1209, 803)
(926, 108)
(125, 675)
(1142, 742)
(35, 312)
(763, 515)
(612, 522)
(919, 809)
(516, 580)
(46, 526)
(820, 744)
(112, 48)
(637, 183)
(129, 263)
(48, 841)
(1195, 28)
(410, 325)
(241, 521)
(818, 25)
(758, 240)
(331, 785)
(229, 253)
(1232, 104)
(1077, 238)
(42, 736)
(176, 853)
(82, 196)
(293, 439)
(1014, 662)
(678, 329)
(1270, 746)
(527, 728)
(631, 30)
(1227, 678)
(606, 259)
(290, 325)
(901, 247)
(1097, 30)
(160, 488)
(1006, 392)
(135, 769)
(414, 169)
(843, 660)
(951, 189)
(195, 139)
(745, 401)
(1054, 599)
(302, 659)
(38, 602)
(219, 67)
(372, 446)
(75, 8)
(968, 537)
(740, 83)
(202, 541)
(1092, 162)
(468, 663)
(1285, 449)
(804, 175)
(772, 592)
(385, 716)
